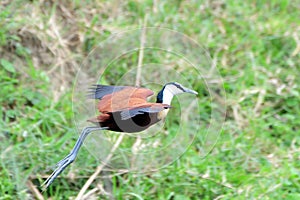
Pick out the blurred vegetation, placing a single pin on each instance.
(256, 45)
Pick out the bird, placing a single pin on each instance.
(122, 109)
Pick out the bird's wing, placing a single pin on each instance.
(99, 91)
(150, 108)
(117, 98)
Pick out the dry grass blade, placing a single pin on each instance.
(34, 190)
(99, 168)
(89, 194)
(141, 54)
(138, 79)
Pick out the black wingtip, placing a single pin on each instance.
(98, 91)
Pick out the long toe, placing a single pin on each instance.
(60, 166)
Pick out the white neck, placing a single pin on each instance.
(167, 96)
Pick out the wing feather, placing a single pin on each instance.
(99, 91)
(151, 108)
(117, 98)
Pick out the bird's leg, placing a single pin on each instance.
(61, 165)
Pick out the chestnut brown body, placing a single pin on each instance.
(126, 109)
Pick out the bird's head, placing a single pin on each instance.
(169, 90)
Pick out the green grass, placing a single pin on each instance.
(255, 46)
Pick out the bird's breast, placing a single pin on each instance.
(162, 114)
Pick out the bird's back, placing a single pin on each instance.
(126, 98)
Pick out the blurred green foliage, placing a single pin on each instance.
(256, 46)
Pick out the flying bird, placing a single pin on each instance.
(123, 109)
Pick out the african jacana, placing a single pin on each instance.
(123, 109)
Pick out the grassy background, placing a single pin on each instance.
(256, 45)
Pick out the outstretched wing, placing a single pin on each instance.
(150, 108)
(117, 98)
